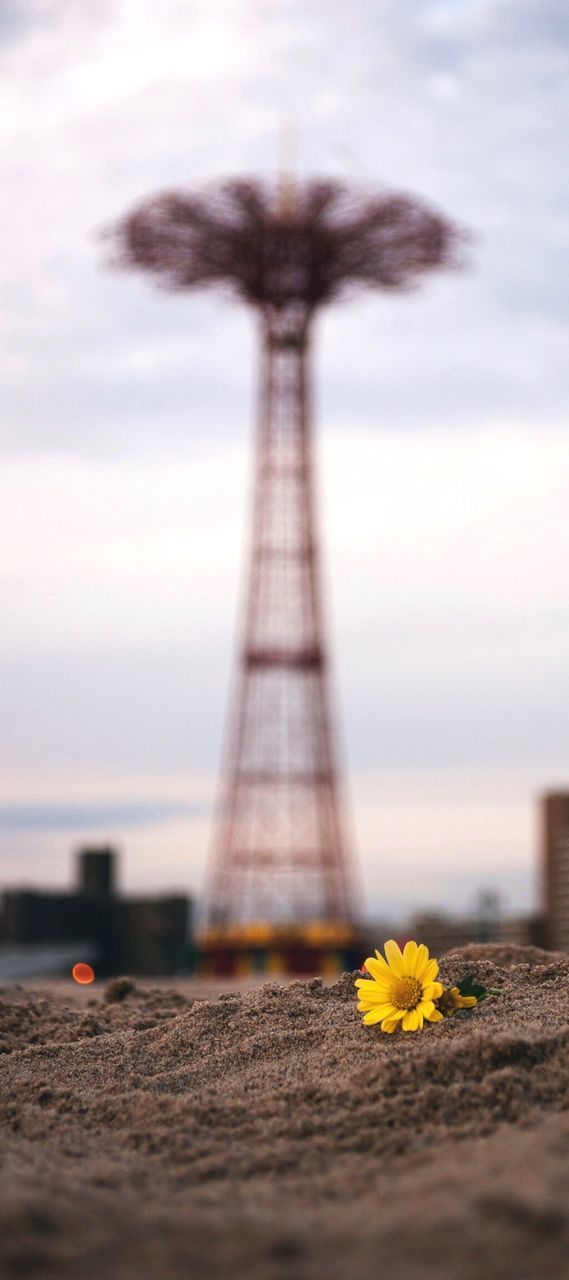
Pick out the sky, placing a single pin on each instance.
(125, 435)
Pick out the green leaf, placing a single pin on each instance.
(468, 987)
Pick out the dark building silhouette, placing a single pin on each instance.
(155, 933)
(135, 935)
(96, 872)
(555, 863)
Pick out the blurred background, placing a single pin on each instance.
(125, 425)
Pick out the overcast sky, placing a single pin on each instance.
(125, 420)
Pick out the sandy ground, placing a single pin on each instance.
(266, 1134)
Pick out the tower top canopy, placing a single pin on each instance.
(336, 238)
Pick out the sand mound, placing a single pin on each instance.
(505, 954)
(32, 1018)
(269, 1134)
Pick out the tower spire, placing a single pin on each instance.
(286, 189)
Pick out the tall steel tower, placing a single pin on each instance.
(280, 859)
(280, 853)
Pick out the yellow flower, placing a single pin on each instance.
(402, 988)
(450, 1000)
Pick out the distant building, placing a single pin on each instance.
(124, 935)
(96, 872)
(442, 933)
(555, 863)
(155, 934)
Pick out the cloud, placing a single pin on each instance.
(47, 818)
(135, 97)
(125, 418)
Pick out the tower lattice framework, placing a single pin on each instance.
(280, 847)
(279, 852)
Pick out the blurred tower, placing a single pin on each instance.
(280, 851)
(280, 859)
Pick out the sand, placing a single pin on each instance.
(268, 1135)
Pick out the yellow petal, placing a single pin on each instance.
(371, 988)
(395, 1015)
(426, 1008)
(432, 991)
(410, 957)
(388, 1025)
(410, 1020)
(468, 1002)
(379, 972)
(435, 1016)
(383, 1009)
(383, 963)
(421, 962)
(370, 984)
(373, 1015)
(431, 971)
(376, 1004)
(394, 958)
(377, 995)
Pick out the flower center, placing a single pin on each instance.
(405, 992)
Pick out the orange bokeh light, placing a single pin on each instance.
(83, 973)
